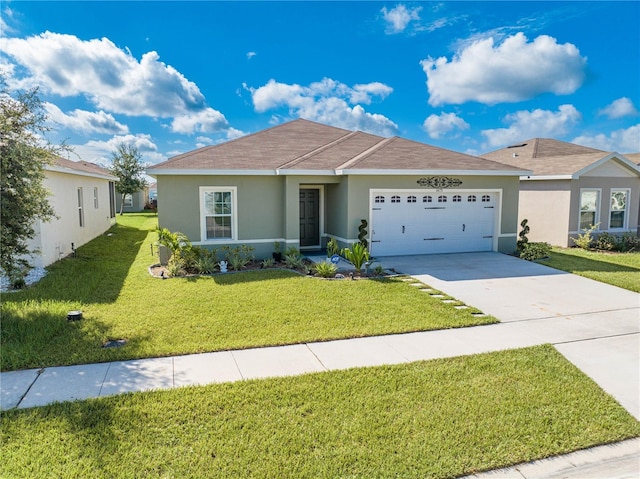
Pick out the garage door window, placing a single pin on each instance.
(471, 198)
(395, 199)
(411, 199)
(442, 199)
(457, 198)
(427, 199)
(379, 199)
(486, 198)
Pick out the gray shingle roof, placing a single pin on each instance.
(82, 167)
(304, 145)
(547, 157)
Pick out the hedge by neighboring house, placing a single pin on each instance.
(301, 183)
(83, 198)
(572, 188)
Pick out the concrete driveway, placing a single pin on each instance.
(594, 325)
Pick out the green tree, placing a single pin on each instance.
(24, 155)
(128, 168)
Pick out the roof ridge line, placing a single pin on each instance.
(359, 157)
(536, 142)
(320, 149)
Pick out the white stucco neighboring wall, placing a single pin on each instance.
(54, 238)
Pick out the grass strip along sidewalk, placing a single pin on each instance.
(109, 281)
(437, 419)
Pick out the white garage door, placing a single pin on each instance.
(444, 222)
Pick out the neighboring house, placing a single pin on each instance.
(133, 203)
(82, 195)
(302, 182)
(153, 191)
(573, 187)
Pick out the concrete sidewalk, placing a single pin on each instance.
(37, 387)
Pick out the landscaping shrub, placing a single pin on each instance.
(332, 247)
(175, 267)
(585, 240)
(627, 241)
(630, 241)
(607, 242)
(293, 259)
(357, 255)
(267, 263)
(238, 257)
(533, 251)
(362, 233)
(523, 234)
(325, 270)
(206, 260)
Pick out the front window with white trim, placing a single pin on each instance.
(218, 213)
(589, 208)
(618, 212)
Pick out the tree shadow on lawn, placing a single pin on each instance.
(95, 275)
(85, 430)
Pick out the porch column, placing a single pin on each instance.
(292, 211)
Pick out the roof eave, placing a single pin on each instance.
(208, 172)
(71, 171)
(397, 172)
(547, 177)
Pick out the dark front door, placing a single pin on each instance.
(309, 217)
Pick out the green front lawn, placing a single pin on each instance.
(437, 419)
(618, 269)
(109, 281)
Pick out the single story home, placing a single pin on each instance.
(133, 202)
(82, 195)
(572, 188)
(302, 182)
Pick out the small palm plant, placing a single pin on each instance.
(357, 255)
(325, 270)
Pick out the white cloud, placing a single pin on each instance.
(364, 93)
(86, 121)
(203, 121)
(533, 124)
(6, 14)
(512, 71)
(619, 108)
(399, 17)
(327, 101)
(623, 140)
(438, 125)
(100, 151)
(250, 55)
(111, 78)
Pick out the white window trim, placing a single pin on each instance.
(598, 207)
(625, 224)
(96, 204)
(234, 214)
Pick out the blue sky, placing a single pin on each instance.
(169, 77)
